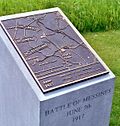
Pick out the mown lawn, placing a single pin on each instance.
(86, 15)
(107, 45)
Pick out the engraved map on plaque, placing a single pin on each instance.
(55, 54)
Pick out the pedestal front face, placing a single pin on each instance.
(53, 52)
(90, 106)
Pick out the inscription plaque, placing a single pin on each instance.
(53, 52)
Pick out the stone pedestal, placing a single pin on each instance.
(24, 102)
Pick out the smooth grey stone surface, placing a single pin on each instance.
(19, 105)
(87, 107)
(22, 103)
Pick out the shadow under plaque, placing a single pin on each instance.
(53, 52)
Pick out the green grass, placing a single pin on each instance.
(107, 45)
(86, 15)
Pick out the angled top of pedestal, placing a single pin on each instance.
(53, 52)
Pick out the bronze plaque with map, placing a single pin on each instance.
(52, 50)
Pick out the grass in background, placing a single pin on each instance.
(86, 15)
(107, 45)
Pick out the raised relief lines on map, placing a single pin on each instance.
(54, 52)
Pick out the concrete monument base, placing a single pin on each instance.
(22, 103)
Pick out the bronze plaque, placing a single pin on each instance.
(52, 50)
